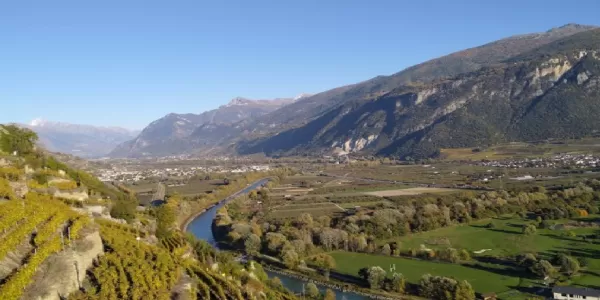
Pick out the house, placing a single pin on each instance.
(569, 293)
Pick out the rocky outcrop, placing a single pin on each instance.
(70, 195)
(63, 273)
(14, 259)
(20, 188)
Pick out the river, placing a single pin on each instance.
(201, 227)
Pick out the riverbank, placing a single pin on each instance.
(184, 226)
(332, 285)
(191, 218)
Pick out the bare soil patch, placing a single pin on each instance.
(409, 192)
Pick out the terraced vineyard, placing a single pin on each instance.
(133, 269)
(45, 225)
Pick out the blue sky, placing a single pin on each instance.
(127, 63)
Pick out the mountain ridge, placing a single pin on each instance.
(316, 115)
(511, 100)
(79, 139)
(170, 135)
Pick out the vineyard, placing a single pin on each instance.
(46, 224)
(134, 269)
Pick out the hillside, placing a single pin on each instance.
(468, 60)
(57, 244)
(548, 92)
(180, 133)
(80, 140)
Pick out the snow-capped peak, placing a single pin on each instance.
(238, 101)
(303, 95)
(38, 122)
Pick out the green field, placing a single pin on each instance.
(483, 281)
(195, 187)
(504, 240)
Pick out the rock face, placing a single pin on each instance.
(62, 273)
(549, 92)
(70, 195)
(20, 188)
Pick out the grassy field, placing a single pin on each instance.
(504, 240)
(524, 150)
(483, 281)
(195, 187)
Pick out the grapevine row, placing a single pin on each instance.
(14, 287)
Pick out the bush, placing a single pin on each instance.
(10, 173)
(123, 209)
(64, 185)
(41, 178)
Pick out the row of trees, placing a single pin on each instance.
(542, 268)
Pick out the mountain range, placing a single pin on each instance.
(80, 140)
(525, 87)
(180, 133)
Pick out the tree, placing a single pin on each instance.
(464, 255)
(529, 229)
(449, 255)
(305, 220)
(290, 259)
(165, 218)
(324, 262)
(252, 244)
(14, 138)
(526, 260)
(398, 283)
(276, 283)
(253, 195)
(543, 268)
(312, 291)
(275, 241)
(386, 250)
(569, 265)
(329, 295)
(376, 277)
(124, 209)
(464, 291)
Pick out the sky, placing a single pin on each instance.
(127, 62)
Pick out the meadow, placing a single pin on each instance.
(496, 245)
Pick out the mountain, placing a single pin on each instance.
(309, 108)
(318, 122)
(504, 91)
(181, 133)
(80, 140)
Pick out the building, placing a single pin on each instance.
(569, 293)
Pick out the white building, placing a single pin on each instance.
(571, 293)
